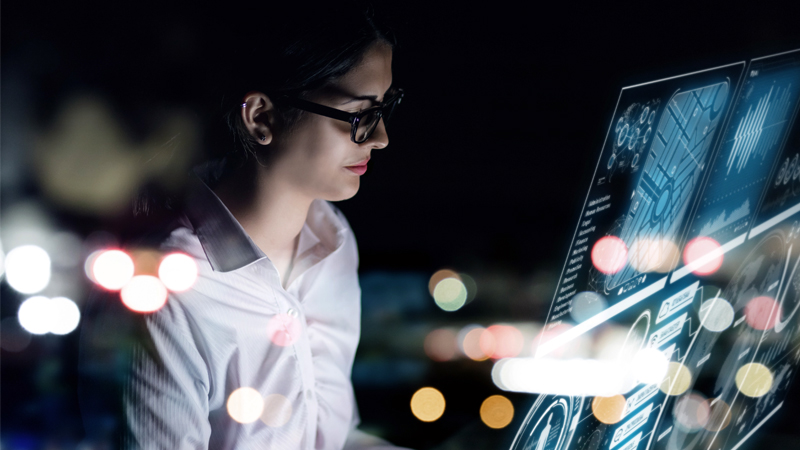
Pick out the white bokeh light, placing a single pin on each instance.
(65, 315)
(42, 315)
(245, 405)
(35, 315)
(178, 272)
(28, 269)
(450, 294)
(584, 377)
(112, 269)
(144, 293)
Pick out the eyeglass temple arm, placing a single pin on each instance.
(322, 110)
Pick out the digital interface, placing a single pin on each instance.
(688, 246)
(758, 127)
(655, 156)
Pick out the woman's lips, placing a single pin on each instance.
(360, 168)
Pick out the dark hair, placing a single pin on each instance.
(275, 48)
(296, 53)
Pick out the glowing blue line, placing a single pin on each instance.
(774, 221)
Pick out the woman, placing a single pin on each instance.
(273, 318)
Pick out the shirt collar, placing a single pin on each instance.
(228, 247)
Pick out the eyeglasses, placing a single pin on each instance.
(362, 123)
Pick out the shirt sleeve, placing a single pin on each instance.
(165, 396)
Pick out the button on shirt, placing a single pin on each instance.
(236, 328)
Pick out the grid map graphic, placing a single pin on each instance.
(672, 169)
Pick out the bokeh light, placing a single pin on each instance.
(501, 341)
(497, 373)
(580, 377)
(28, 269)
(427, 404)
(719, 415)
(677, 380)
(143, 293)
(497, 412)
(41, 315)
(245, 405)
(65, 315)
(277, 410)
(609, 410)
(439, 276)
(284, 329)
(650, 366)
(762, 313)
(586, 305)
(754, 379)
(440, 344)
(469, 339)
(88, 265)
(653, 255)
(450, 294)
(13, 338)
(609, 254)
(35, 316)
(178, 272)
(470, 285)
(699, 249)
(112, 269)
(691, 412)
(716, 314)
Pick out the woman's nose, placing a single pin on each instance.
(379, 138)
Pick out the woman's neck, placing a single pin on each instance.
(268, 209)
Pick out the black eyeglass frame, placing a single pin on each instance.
(352, 118)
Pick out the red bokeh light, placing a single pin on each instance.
(501, 341)
(762, 313)
(441, 345)
(698, 248)
(609, 254)
(284, 329)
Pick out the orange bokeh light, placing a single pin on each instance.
(471, 344)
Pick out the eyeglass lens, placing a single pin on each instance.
(367, 125)
(368, 122)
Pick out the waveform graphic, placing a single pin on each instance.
(747, 140)
(722, 220)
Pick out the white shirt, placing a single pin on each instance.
(237, 327)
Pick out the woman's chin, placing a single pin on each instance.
(343, 194)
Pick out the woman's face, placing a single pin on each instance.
(313, 158)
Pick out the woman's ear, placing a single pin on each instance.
(258, 116)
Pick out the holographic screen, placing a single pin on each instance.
(688, 242)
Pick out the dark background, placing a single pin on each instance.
(491, 154)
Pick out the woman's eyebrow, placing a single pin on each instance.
(373, 98)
